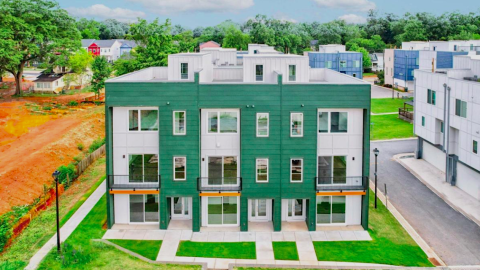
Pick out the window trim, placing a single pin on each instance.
(185, 126)
(183, 73)
(185, 173)
(139, 113)
(291, 121)
(143, 163)
(301, 172)
(329, 118)
(256, 170)
(263, 73)
(268, 125)
(218, 111)
(295, 70)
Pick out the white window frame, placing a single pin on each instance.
(143, 203)
(263, 72)
(291, 121)
(140, 120)
(219, 122)
(179, 179)
(301, 168)
(340, 64)
(185, 126)
(256, 170)
(143, 163)
(330, 120)
(331, 206)
(181, 71)
(295, 68)
(268, 124)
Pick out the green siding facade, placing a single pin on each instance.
(279, 100)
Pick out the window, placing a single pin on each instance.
(262, 169)
(292, 73)
(262, 124)
(259, 73)
(331, 209)
(222, 122)
(296, 124)
(328, 64)
(356, 63)
(431, 97)
(179, 168)
(454, 48)
(343, 63)
(460, 108)
(417, 62)
(441, 127)
(179, 123)
(332, 170)
(142, 168)
(296, 170)
(184, 71)
(333, 122)
(222, 210)
(148, 120)
(144, 208)
(222, 170)
(423, 121)
(475, 147)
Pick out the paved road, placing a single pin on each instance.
(454, 238)
(382, 92)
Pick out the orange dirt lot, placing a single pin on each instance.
(34, 144)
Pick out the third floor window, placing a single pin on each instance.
(332, 122)
(142, 120)
(461, 108)
(431, 97)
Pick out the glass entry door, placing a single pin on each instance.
(331, 210)
(296, 210)
(222, 171)
(144, 208)
(222, 211)
(180, 208)
(259, 210)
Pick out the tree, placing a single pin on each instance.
(113, 29)
(367, 62)
(101, 72)
(34, 30)
(235, 38)
(413, 31)
(79, 64)
(185, 41)
(90, 29)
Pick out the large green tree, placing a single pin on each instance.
(101, 72)
(79, 63)
(34, 30)
(235, 38)
(367, 62)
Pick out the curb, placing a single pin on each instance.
(410, 230)
(439, 194)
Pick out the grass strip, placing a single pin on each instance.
(385, 127)
(147, 248)
(230, 250)
(285, 251)
(387, 105)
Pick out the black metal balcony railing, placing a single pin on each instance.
(134, 181)
(219, 183)
(341, 183)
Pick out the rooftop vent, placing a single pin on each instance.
(473, 79)
(441, 72)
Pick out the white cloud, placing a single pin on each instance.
(165, 7)
(358, 5)
(284, 17)
(103, 12)
(353, 19)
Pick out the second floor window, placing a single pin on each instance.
(142, 120)
(296, 124)
(292, 73)
(460, 108)
(184, 71)
(343, 63)
(222, 122)
(296, 170)
(179, 168)
(143, 168)
(262, 124)
(328, 64)
(332, 122)
(262, 170)
(431, 97)
(356, 63)
(179, 123)
(259, 73)
(332, 170)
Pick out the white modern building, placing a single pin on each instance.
(331, 48)
(377, 61)
(447, 121)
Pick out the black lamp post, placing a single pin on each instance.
(55, 176)
(376, 151)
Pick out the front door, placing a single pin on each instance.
(259, 210)
(296, 210)
(180, 208)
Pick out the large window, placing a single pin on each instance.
(343, 63)
(262, 169)
(292, 73)
(142, 120)
(259, 73)
(333, 122)
(184, 71)
(228, 122)
(222, 170)
(263, 124)
(179, 168)
(296, 124)
(179, 123)
(431, 97)
(356, 64)
(222, 210)
(332, 170)
(144, 208)
(331, 209)
(328, 64)
(296, 170)
(142, 168)
(461, 108)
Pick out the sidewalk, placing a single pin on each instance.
(434, 179)
(68, 227)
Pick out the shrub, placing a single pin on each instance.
(47, 108)
(80, 146)
(65, 171)
(97, 103)
(5, 229)
(72, 103)
(96, 144)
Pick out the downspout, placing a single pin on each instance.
(446, 130)
(444, 114)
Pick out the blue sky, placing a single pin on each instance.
(193, 13)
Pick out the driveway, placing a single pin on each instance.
(383, 92)
(452, 236)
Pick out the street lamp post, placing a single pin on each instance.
(376, 151)
(55, 176)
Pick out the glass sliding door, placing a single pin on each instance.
(151, 208)
(214, 210)
(136, 208)
(222, 210)
(229, 210)
(215, 171)
(142, 168)
(144, 208)
(332, 170)
(331, 210)
(222, 170)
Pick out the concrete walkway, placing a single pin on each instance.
(264, 247)
(434, 179)
(68, 227)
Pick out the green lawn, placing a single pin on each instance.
(285, 251)
(391, 244)
(386, 105)
(384, 127)
(79, 252)
(368, 74)
(235, 250)
(146, 248)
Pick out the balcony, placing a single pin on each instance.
(219, 183)
(341, 183)
(134, 182)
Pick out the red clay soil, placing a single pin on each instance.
(28, 160)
